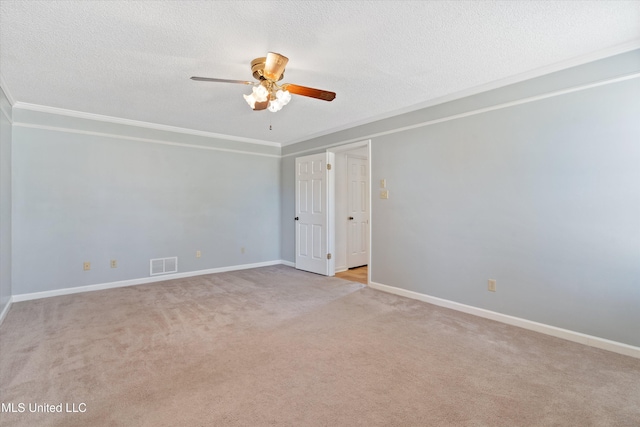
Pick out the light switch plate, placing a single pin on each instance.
(384, 194)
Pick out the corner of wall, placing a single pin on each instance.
(505, 126)
(6, 92)
(6, 140)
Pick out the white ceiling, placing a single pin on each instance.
(133, 59)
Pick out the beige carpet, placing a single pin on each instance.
(276, 346)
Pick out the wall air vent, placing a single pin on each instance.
(163, 266)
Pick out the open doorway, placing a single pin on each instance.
(358, 274)
(350, 199)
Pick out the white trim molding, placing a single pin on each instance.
(604, 344)
(140, 281)
(6, 310)
(7, 94)
(5, 89)
(473, 112)
(135, 138)
(137, 123)
(496, 84)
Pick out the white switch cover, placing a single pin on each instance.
(383, 183)
(384, 194)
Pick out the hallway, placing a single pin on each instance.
(358, 274)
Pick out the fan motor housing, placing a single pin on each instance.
(257, 68)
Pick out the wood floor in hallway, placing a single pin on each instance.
(358, 274)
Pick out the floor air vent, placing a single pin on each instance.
(164, 265)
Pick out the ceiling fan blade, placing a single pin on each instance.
(310, 92)
(274, 66)
(210, 79)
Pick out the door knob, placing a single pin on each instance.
(296, 218)
(350, 218)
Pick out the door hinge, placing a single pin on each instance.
(328, 256)
(328, 166)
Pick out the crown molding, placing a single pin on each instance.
(137, 123)
(5, 89)
(133, 138)
(470, 113)
(517, 78)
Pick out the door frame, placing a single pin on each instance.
(332, 203)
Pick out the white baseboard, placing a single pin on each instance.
(140, 281)
(5, 310)
(287, 263)
(616, 347)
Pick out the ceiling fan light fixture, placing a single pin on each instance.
(266, 93)
(274, 106)
(281, 98)
(259, 94)
(284, 96)
(251, 100)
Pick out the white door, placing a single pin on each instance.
(358, 215)
(312, 214)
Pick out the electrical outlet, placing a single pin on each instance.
(242, 250)
(492, 285)
(86, 266)
(114, 263)
(384, 194)
(198, 254)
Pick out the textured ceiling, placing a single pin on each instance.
(133, 59)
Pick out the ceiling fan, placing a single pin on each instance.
(267, 93)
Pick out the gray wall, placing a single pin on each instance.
(92, 191)
(5, 201)
(544, 197)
